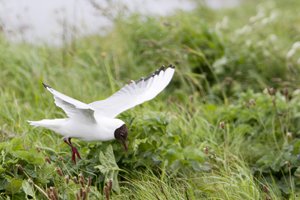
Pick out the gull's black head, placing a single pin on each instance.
(121, 134)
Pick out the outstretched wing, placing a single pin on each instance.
(134, 93)
(73, 108)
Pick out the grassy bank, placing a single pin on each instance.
(227, 127)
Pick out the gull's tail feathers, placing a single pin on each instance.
(52, 124)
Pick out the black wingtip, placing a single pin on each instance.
(162, 68)
(172, 66)
(46, 86)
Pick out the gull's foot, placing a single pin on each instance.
(74, 154)
(74, 149)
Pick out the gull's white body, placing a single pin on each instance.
(69, 128)
(96, 121)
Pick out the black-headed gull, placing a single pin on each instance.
(96, 121)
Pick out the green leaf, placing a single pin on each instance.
(1, 169)
(194, 154)
(137, 142)
(30, 156)
(174, 154)
(16, 144)
(27, 188)
(109, 167)
(14, 185)
(3, 145)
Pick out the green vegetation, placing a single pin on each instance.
(227, 127)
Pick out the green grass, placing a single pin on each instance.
(216, 132)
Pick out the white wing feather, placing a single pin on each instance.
(134, 93)
(73, 108)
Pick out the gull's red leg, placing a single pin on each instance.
(74, 150)
(73, 157)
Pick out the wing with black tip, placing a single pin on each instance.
(134, 93)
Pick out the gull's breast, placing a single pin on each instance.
(88, 131)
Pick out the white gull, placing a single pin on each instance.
(97, 121)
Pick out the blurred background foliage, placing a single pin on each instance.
(226, 127)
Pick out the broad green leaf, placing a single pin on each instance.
(14, 185)
(109, 167)
(30, 156)
(27, 188)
